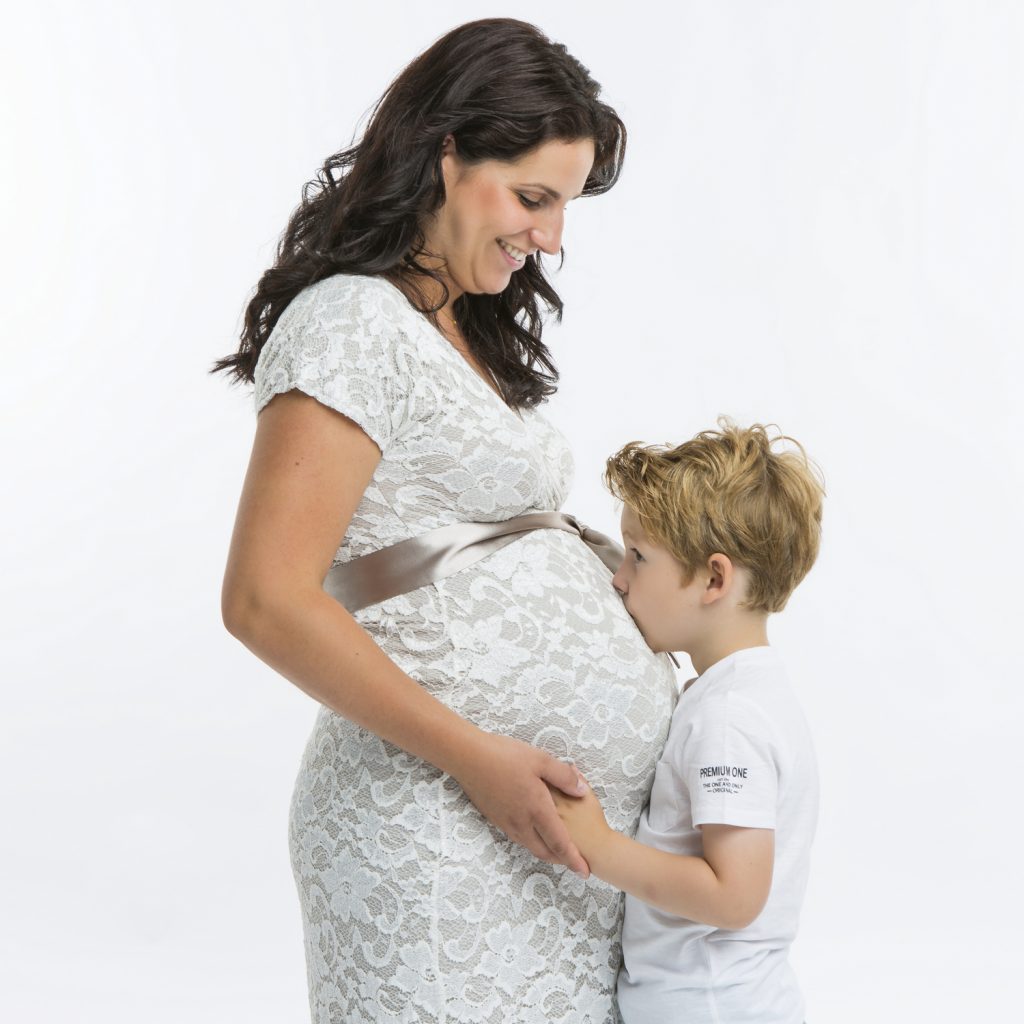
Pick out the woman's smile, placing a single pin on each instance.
(516, 258)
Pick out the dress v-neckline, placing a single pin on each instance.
(456, 354)
(446, 341)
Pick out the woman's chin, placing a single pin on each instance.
(491, 287)
(490, 283)
(495, 279)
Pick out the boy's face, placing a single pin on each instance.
(650, 581)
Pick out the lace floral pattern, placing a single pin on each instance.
(415, 909)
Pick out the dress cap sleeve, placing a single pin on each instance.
(342, 342)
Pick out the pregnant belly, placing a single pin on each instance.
(533, 642)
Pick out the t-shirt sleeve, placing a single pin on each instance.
(340, 342)
(729, 767)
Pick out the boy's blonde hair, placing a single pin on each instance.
(727, 491)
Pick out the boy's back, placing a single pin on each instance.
(739, 753)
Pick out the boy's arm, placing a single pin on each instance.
(726, 888)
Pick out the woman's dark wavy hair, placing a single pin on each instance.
(500, 88)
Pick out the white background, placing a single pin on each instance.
(820, 225)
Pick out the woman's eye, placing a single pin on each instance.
(530, 204)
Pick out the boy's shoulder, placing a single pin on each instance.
(754, 677)
(746, 694)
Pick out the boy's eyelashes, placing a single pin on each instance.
(637, 556)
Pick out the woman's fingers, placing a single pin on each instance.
(549, 826)
(511, 785)
(540, 849)
(565, 777)
(555, 837)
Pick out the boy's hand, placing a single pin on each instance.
(584, 817)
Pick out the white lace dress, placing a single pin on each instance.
(416, 909)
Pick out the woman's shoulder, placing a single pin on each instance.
(345, 311)
(351, 285)
(348, 342)
(354, 296)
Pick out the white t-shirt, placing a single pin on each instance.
(738, 753)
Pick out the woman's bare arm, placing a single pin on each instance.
(308, 471)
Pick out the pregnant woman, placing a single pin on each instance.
(395, 348)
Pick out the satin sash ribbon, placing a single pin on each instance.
(413, 563)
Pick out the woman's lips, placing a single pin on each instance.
(509, 258)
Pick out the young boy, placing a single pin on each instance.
(718, 532)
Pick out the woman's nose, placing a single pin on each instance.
(548, 235)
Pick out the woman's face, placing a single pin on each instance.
(496, 214)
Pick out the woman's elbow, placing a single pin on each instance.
(257, 608)
(240, 608)
(232, 614)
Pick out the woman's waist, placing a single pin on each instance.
(437, 554)
(547, 581)
(368, 534)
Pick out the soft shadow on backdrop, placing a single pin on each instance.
(819, 225)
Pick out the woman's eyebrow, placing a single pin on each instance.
(545, 188)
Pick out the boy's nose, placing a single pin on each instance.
(619, 582)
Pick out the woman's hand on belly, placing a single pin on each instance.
(507, 781)
(585, 820)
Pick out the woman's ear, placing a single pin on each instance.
(721, 575)
(449, 161)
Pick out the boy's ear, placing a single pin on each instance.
(720, 574)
